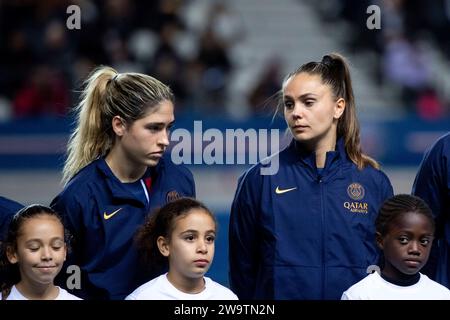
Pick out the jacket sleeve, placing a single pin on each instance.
(243, 240)
(70, 211)
(7, 210)
(66, 205)
(192, 185)
(188, 185)
(432, 184)
(388, 191)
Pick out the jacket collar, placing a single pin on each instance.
(117, 188)
(299, 153)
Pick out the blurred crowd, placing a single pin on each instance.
(408, 28)
(187, 44)
(44, 63)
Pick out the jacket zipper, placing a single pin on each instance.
(319, 181)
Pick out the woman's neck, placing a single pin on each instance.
(186, 285)
(321, 145)
(124, 169)
(321, 150)
(34, 291)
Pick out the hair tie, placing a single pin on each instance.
(328, 61)
(113, 79)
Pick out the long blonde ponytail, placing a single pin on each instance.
(107, 94)
(89, 140)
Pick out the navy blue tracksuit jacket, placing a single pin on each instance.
(432, 184)
(103, 216)
(299, 234)
(7, 210)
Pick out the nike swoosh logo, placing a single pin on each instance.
(281, 191)
(108, 216)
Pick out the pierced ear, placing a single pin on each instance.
(379, 240)
(11, 255)
(118, 125)
(163, 246)
(339, 108)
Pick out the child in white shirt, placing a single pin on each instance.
(183, 233)
(32, 255)
(404, 232)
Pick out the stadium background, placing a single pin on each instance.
(223, 59)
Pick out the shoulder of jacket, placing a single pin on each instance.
(257, 170)
(175, 169)
(371, 171)
(378, 173)
(445, 139)
(251, 173)
(441, 146)
(79, 184)
(84, 177)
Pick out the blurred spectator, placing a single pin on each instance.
(118, 17)
(225, 24)
(431, 17)
(213, 57)
(168, 65)
(262, 98)
(168, 13)
(429, 106)
(16, 62)
(405, 65)
(46, 93)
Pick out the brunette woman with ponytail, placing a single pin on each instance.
(307, 231)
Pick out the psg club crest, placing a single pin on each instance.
(172, 196)
(355, 191)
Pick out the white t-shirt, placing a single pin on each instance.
(161, 289)
(62, 295)
(374, 287)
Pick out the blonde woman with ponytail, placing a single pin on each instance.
(307, 231)
(117, 172)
